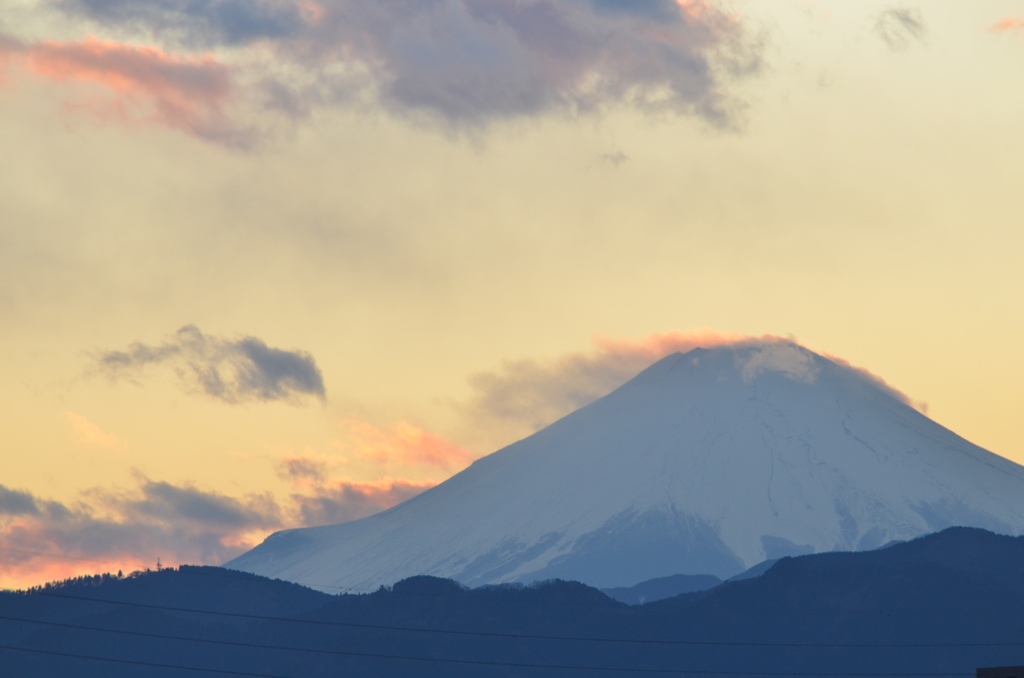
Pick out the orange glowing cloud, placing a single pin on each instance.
(320, 499)
(1007, 24)
(694, 9)
(39, 567)
(656, 346)
(88, 435)
(403, 445)
(185, 93)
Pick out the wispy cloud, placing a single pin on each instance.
(185, 93)
(9, 50)
(1007, 25)
(465, 62)
(340, 501)
(900, 27)
(231, 370)
(88, 435)
(321, 498)
(616, 158)
(401, 446)
(302, 470)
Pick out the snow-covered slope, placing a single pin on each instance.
(707, 462)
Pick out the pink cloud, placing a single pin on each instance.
(38, 567)
(656, 346)
(403, 445)
(1007, 24)
(319, 499)
(185, 93)
(88, 435)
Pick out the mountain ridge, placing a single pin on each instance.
(941, 604)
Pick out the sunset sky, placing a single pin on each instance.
(275, 263)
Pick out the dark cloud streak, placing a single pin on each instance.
(16, 503)
(178, 523)
(197, 23)
(168, 502)
(140, 524)
(234, 371)
(344, 501)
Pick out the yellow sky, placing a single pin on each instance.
(864, 199)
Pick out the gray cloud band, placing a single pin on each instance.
(349, 501)
(467, 62)
(153, 519)
(180, 523)
(231, 370)
(16, 503)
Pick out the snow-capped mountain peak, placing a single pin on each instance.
(707, 462)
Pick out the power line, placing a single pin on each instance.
(210, 641)
(528, 636)
(566, 667)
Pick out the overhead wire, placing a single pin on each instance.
(565, 667)
(529, 636)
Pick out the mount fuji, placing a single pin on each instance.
(707, 462)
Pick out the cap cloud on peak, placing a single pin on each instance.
(787, 358)
(756, 355)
